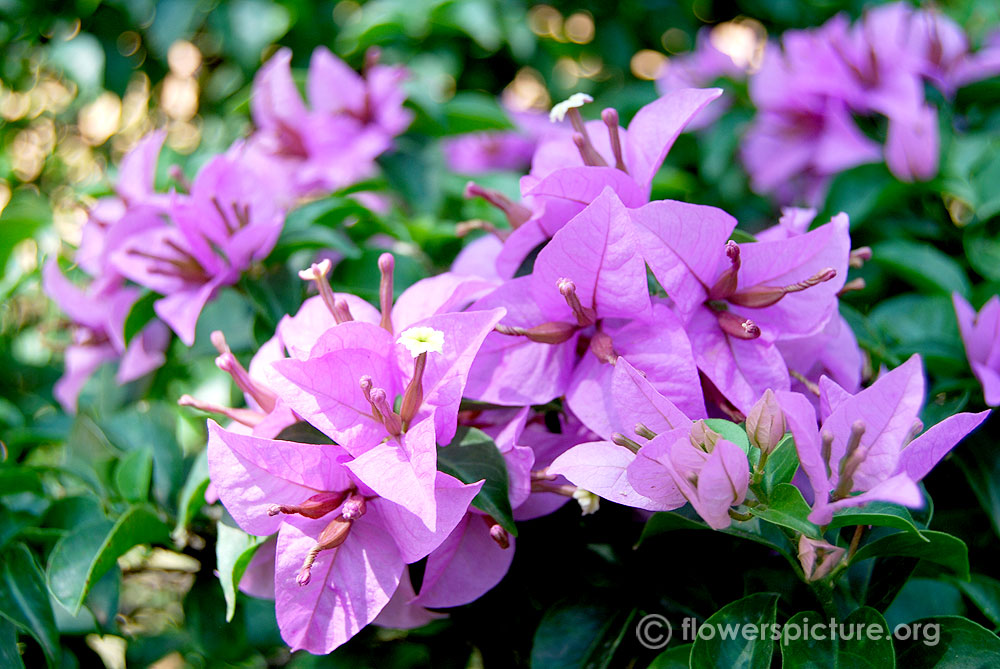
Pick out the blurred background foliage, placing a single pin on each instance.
(81, 82)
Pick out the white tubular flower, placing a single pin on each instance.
(422, 340)
(558, 112)
(588, 501)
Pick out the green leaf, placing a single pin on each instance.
(473, 456)
(11, 524)
(9, 654)
(730, 431)
(984, 592)
(85, 553)
(303, 433)
(880, 514)
(578, 634)
(859, 192)
(234, 549)
(781, 464)
(134, 473)
(733, 623)
(678, 657)
(861, 648)
(14, 480)
(802, 651)
(140, 314)
(469, 111)
(662, 522)
(786, 507)
(192, 496)
(983, 251)
(24, 600)
(960, 644)
(922, 265)
(767, 534)
(809, 642)
(937, 547)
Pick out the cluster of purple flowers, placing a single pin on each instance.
(558, 309)
(810, 89)
(591, 341)
(202, 235)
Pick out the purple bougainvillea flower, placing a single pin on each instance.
(570, 169)
(712, 474)
(602, 466)
(981, 335)
(231, 218)
(98, 315)
(342, 548)
(865, 448)
(738, 300)
(351, 120)
(588, 282)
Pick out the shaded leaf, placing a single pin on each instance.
(733, 624)
(473, 456)
(24, 600)
(234, 549)
(84, 554)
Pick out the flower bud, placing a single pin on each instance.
(316, 506)
(818, 558)
(553, 332)
(703, 437)
(766, 423)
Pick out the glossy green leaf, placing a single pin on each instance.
(787, 508)
(959, 643)
(473, 456)
(85, 553)
(737, 641)
(781, 464)
(24, 600)
(234, 549)
(140, 314)
(134, 473)
(984, 591)
(879, 514)
(922, 265)
(982, 248)
(937, 547)
(9, 654)
(192, 496)
(579, 634)
(678, 657)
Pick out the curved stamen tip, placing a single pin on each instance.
(317, 270)
(273, 510)
(566, 287)
(219, 341)
(386, 262)
(750, 328)
(473, 190)
(560, 110)
(304, 576)
(858, 427)
(610, 116)
(825, 274)
(732, 250)
(366, 383)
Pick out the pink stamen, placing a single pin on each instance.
(386, 263)
(610, 118)
(247, 417)
(517, 214)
